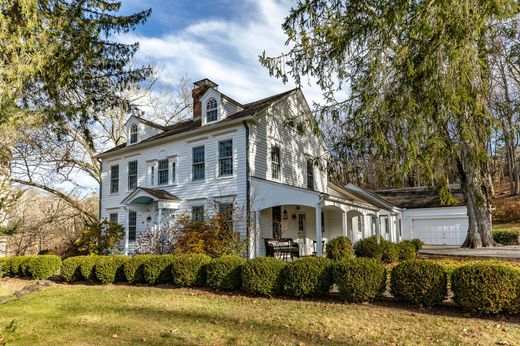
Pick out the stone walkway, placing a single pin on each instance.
(511, 252)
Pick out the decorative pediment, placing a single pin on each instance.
(143, 195)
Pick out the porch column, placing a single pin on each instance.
(378, 228)
(319, 250)
(160, 219)
(344, 221)
(126, 234)
(257, 233)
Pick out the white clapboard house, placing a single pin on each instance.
(254, 157)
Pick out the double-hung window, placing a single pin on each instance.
(132, 175)
(197, 213)
(163, 172)
(133, 133)
(310, 174)
(198, 163)
(113, 218)
(225, 157)
(211, 110)
(132, 225)
(226, 212)
(275, 162)
(114, 179)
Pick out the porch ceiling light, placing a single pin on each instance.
(285, 214)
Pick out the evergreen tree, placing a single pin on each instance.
(417, 74)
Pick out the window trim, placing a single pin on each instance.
(112, 179)
(278, 165)
(221, 159)
(213, 109)
(133, 131)
(202, 163)
(132, 236)
(136, 175)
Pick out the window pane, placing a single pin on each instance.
(114, 179)
(132, 175)
(225, 154)
(211, 110)
(132, 225)
(198, 163)
(197, 213)
(163, 172)
(113, 218)
(226, 211)
(173, 172)
(310, 175)
(133, 133)
(275, 162)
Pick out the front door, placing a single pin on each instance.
(302, 234)
(277, 222)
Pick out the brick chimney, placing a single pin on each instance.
(199, 88)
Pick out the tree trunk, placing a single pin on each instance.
(477, 195)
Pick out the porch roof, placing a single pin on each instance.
(143, 195)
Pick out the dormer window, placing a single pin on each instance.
(133, 134)
(211, 110)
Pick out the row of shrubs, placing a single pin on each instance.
(386, 251)
(507, 237)
(36, 267)
(480, 287)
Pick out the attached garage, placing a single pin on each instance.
(436, 226)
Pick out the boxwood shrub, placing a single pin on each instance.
(368, 248)
(18, 266)
(158, 269)
(359, 279)
(418, 243)
(507, 237)
(389, 252)
(44, 266)
(406, 251)
(134, 269)
(189, 270)
(225, 273)
(308, 277)
(71, 269)
(420, 282)
(109, 269)
(263, 276)
(4, 267)
(487, 288)
(339, 248)
(87, 267)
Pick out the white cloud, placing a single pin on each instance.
(226, 51)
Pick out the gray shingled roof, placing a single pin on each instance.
(250, 109)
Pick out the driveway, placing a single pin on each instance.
(512, 252)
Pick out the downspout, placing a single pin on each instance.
(248, 189)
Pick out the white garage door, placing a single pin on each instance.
(449, 231)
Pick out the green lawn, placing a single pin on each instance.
(122, 315)
(513, 227)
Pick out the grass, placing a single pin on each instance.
(125, 315)
(9, 286)
(507, 227)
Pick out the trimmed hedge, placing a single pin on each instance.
(134, 269)
(225, 273)
(406, 251)
(44, 266)
(263, 276)
(339, 248)
(418, 243)
(71, 269)
(88, 266)
(389, 252)
(4, 267)
(359, 279)
(308, 277)
(109, 269)
(158, 269)
(486, 288)
(189, 270)
(507, 237)
(18, 266)
(368, 248)
(420, 282)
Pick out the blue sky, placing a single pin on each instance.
(216, 39)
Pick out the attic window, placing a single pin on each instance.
(211, 110)
(133, 133)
